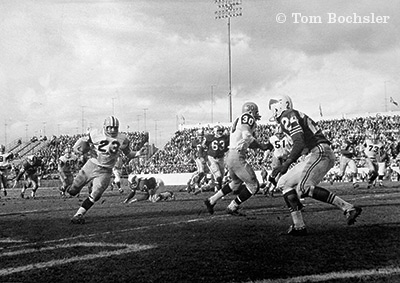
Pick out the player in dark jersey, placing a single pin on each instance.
(199, 154)
(302, 180)
(29, 170)
(217, 145)
(347, 151)
(147, 188)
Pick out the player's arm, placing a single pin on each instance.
(263, 146)
(82, 145)
(130, 154)
(19, 175)
(247, 133)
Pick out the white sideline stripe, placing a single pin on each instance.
(334, 276)
(119, 231)
(11, 240)
(35, 266)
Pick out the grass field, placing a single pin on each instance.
(178, 241)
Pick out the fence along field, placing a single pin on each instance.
(178, 241)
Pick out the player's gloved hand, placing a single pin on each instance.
(266, 146)
(281, 169)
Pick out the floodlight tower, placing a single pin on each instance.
(226, 10)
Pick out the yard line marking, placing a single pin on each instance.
(335, 275)
(117, 231)
(52, 263)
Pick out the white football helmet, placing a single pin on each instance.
(279, 104)
(218, 131)
(111, 126)
(252, 108)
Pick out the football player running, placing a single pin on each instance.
(117, 172)
(217, 145)
(66, 166)
(243, 178)
(5, 166)
(373, 148)
(29, 169)
(107, 144)
(199, 152)
(347, 150)
(302, 180)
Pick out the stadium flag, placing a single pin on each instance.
(393, 101)
(320, 110)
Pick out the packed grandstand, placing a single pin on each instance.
(177, 156)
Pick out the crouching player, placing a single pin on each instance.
(147, 188)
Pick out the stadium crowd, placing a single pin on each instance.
(177, 156)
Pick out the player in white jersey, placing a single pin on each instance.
(282, 146)
(243, 178)
(5, 166)
(117, 172)
(107, 144)
(372, 148)
(66, 166)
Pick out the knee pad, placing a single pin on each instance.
(77, 185)
(292, 200)
(253, 188)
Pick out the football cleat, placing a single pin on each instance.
(352, 214)
(22, 195)
(62, 191)
(5, 193)
(78, 219)
(210, 207)
(297, 231)
(33, 195)
(234, 212)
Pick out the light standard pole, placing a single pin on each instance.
(5, 133)
(144, 117)
(212, 104)
(155, 131)
(138, 122)
(228, 9)
(385, 96)
(83, 119)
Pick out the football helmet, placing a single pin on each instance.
(279, 104)
(133, 181)
(200, 132)
(279, 131)
(111, 126)
(2, 148)
(252, 108)
(68, 152)
(218, 131)
(31, 159)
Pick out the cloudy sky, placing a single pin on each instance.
(66, 65)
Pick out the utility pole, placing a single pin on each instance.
(229, 9)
